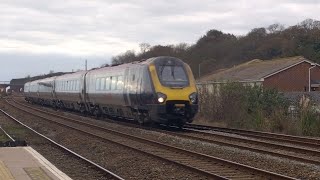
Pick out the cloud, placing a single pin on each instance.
(99, 29)
(19, 65)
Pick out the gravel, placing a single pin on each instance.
(125, 162)
(270, 163)
(72, 166)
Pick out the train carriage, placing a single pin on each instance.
(46, 93)
(26, 90)
(32, 91)
(175, 90)
(69, 90)
(160, 89)
(104, 91)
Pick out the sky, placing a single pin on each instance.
(38, 36)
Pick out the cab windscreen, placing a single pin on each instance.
(172, 76)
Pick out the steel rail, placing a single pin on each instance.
(243, 147)
(13, 140)
(259, 142)
(250, 169)
(200, 171)
(304, 141)
(65, 148)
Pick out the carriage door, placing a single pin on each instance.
(126, 86)
(132, 86)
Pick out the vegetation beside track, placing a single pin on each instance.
(3, 137)
(251, 107)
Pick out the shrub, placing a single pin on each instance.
(309, 122)
(241, 106)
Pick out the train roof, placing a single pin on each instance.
(137, 63)
(77, 74)
(153, 60)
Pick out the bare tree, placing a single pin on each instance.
(275, 28)
(128, 56)
(144, 47)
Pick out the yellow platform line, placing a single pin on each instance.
(4, 172)
(36, 173)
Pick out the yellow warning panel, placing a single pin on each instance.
(4, 172)
(36, 173)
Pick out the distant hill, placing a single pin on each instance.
(216, 49)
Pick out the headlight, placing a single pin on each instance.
(193, 98)
(161, 97)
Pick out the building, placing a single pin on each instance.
(16, 85)
(285, 74)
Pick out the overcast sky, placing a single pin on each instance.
(37, 36)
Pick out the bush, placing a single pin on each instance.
(252, 107)
(240, 106)
(309, 122)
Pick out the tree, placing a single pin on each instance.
(144, 47)
(275, 28)
(224, 50)
(128, 56)
(310, 24)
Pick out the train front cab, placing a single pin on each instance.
(176, 93)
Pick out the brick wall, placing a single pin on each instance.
(293, 79)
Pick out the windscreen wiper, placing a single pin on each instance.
(172, 72)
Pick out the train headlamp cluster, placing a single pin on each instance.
(193, 98)
(161, 97)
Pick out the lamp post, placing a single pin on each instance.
(199, 66)
(312, 66)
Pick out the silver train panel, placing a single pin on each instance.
(69, 87)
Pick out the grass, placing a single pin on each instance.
(15, 132)
(3, 138)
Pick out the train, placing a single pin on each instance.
(156, 90)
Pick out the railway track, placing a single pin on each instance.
(105, 172)
(298, 140)
(206, 165)
(301, 154)
(290, 152)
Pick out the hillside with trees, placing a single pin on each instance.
(216, 49)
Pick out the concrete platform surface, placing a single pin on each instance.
(24, 163)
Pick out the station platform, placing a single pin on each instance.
(24, 163)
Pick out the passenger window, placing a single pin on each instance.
(114, 83)
(71, 85)
(74, 85)
(77, 87)
(97, 84)
(120, 83)
(108, 83)
(102, 83)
